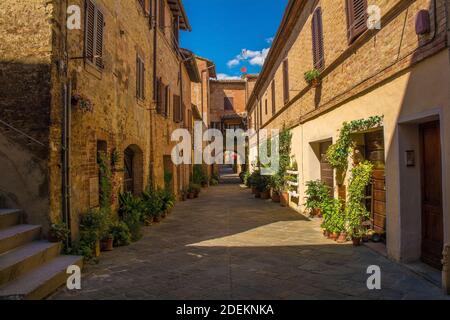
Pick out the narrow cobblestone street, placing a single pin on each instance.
(227, 245)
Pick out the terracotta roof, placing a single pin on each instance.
(178, 10)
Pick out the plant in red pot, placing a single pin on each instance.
(317, 194)
(312, 77)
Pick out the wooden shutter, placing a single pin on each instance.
(99, 39)
(159, 96)
(356, 18)
(167, 101)
(317, 39)
(90, 31)
(162, 15)
(176, 108)
(286, 81)
(140, 78)
(265, 107)
(274, 106)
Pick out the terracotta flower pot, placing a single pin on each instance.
(265, 195)
(326, 233)
(276, 197)
(107, 244)
(157, 219)
(284, 199)
(316, 212)
(342, 238)
(335, 236)
(356, 241)
(315, 83)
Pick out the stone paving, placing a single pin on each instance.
(228, 245)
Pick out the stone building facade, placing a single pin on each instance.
(119, 85)
(400, 72)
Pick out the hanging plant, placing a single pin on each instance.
(356, 210)
(82, 103)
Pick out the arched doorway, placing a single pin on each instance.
(133, 170)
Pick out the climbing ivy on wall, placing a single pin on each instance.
(339, 152)
(105, 181)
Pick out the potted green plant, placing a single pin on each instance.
(316, 194)
(263, 187)
(58, 232)
(107, 243)
(191, 192)
(312, 77)
(276, 185)
(120, 233)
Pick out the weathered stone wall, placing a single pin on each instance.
(25, 97)
(221, 89)
(119, 119)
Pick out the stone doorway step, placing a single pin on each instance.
(30, 268)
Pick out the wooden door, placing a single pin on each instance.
(432, 219)
(128, 171)
(326, 170)
(377, 194)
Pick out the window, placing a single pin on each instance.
(228, 104)
(260, 114)
(167, 101)
(176, 32)
(286, 81)
(177, 110)
(140, 78)
(95, 23)
(317, 39)
(162, 15)
(356, 18)
(266, 107)
(274, 108)
(160, 98)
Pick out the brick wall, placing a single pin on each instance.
(349, 69)
(221, 89)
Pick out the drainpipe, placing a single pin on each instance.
(153, 22)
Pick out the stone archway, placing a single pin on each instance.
(133, 159)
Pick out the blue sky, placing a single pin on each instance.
(222, 29)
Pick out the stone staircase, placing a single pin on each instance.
(29, 267)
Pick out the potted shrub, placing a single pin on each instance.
(93, 226)
(276, 185)
(195, 189)
(312, 77)
(107, 243)
(58, 232)
(190, 192)
(284, 198)
(132, 211)
(120, 233)
(317, 193)
(263, 187)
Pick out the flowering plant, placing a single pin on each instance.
(83, 103)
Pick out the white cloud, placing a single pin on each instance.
(270, 40)
(253, 57)
(223, 76)
(260, 58)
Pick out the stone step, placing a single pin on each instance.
(16, 236)
(21, 260)
(42, 281)
(9, 218)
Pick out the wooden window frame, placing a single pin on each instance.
(286, 90)
(356, 26)
(317, 40)
(97, 50)
(274, 105)
(162, 15)
(140, 77)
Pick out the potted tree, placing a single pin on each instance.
(312, 77)
(263, 187)
(276, 184)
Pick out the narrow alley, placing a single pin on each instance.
(228, 245)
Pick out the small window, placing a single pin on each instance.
(94, 30)
(267, 111)
(140, 78)
(177, 109)
(160, 101)
(286, 81)
(167, 101)
(274, 108)
(317, 39)
(356, 18)
(228, 104)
